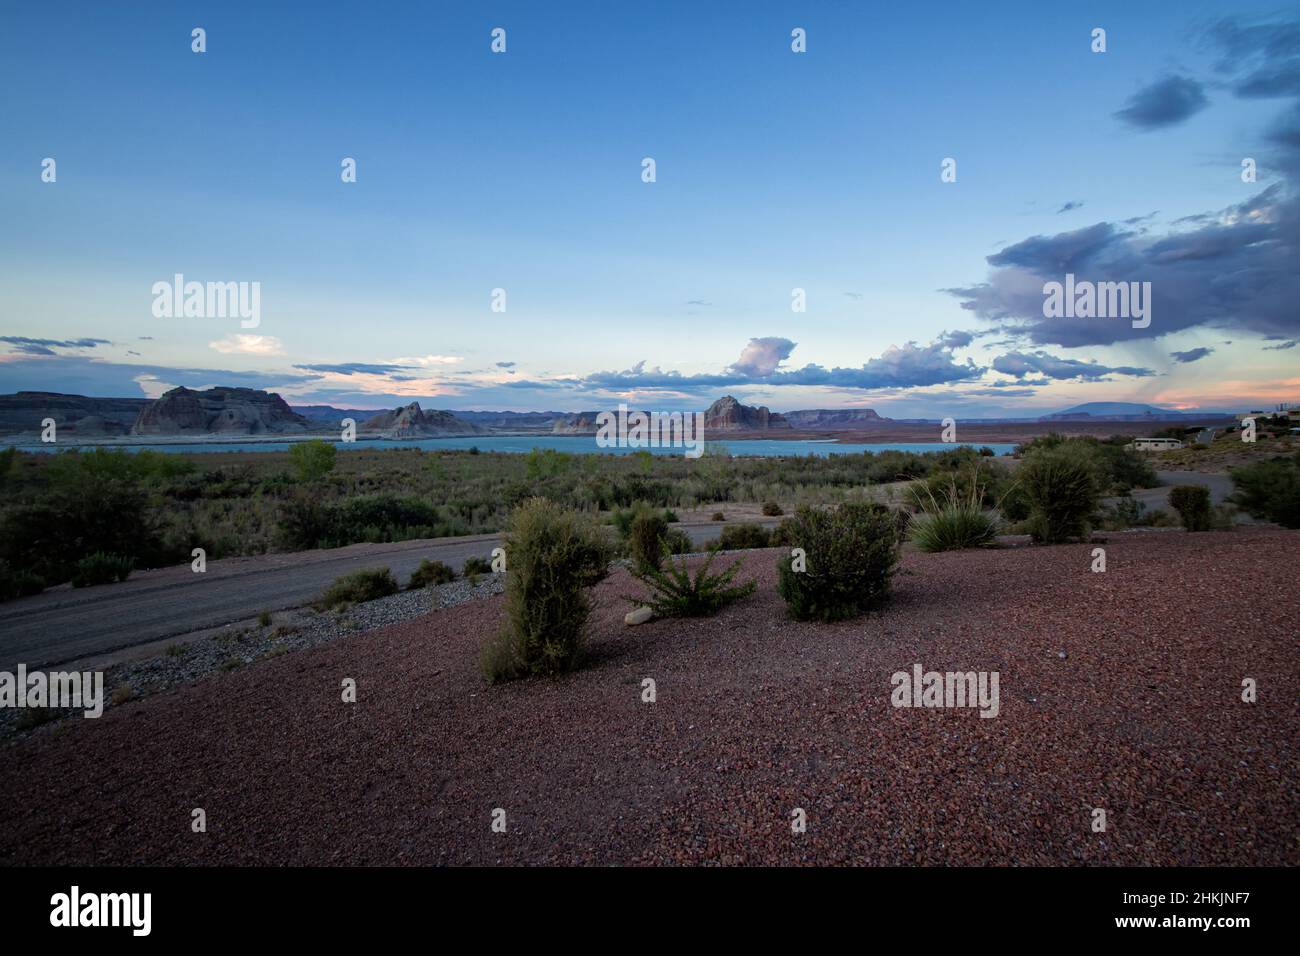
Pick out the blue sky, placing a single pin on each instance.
(775, 170)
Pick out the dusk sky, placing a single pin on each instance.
(775, 170)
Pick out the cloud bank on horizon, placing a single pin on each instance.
(1227, 268)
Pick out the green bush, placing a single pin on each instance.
(556, 554)
(431, 574)
(955, 523)
(102, 568)
(1270, 490)
(850, 555)
(1192, 502)
(16, 584)
(675, 593)
(719, 516)
(476, 565)
(1062, 488)
(772, 510)
(368, 584)
(647, 542)
(742, 537)
(312, 460)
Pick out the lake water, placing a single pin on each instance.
(574, 444)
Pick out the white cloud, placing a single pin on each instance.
(241, 344)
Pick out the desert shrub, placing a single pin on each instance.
(1156, 518)
(102, 568)
(669, 515)
(675, 593)
(476, 565)
(1192, 502)
(772, 510)
(16, 584)
(646, 541)
(741, 537)
(312, 460)
(1270, 490)
(719, 516)
(304, 523)
(431, 574)
(954, 523)
(556, 554)
(380, 518)
(849, 556)
(368, 584)
(1122, 469)
(1123, 513)
(1062, 487)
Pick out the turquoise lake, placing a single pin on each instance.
(574, 444)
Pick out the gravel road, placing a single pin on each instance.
(1119, 691)
(66, 624)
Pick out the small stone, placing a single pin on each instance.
(1061, 654)
(638, 616)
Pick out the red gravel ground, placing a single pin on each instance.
(756, 715)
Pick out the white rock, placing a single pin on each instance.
(638, 616)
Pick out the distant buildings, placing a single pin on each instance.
(1154, 444)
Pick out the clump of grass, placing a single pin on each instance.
(176, 650)
(556, 554)
(102, 568)
(675, 593)
(264, 617)
(368, 584)
(772, 510)
(475, 566)
(431, 574)
(122, 693)
(719, 516)
(957, 522)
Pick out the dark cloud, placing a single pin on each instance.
(1236, 270)
(908, 366)
(82, 375)
(1021, 364)
(1164, 103)
(699, 302)
(1278, 348)
(506, 364)
(356, 368)
(47, 346)
(1191, 355)
(1069, 206)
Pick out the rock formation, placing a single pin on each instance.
(727, 414)
(220, 411)
(410, 421)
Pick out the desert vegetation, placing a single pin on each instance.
(556, 555)
(675, 592)
(849, 554)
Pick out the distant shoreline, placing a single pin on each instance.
(972, 432)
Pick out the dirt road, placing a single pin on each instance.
(66, 624)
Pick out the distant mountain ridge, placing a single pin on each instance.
(1122, 412)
